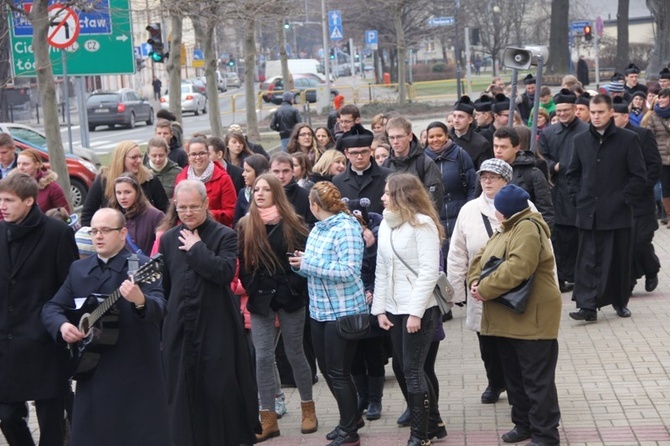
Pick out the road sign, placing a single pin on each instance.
(145, 48)
(335, 25)
(599, 26)
(441, 21)
(198, 58)
(90, 54)
(93, 22)
(64, 28)
(577, 28)
(372, 39)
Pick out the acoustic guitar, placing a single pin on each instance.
(98, 319)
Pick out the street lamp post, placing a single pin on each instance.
(457, 50)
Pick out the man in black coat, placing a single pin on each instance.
(645, 261)
(36, 254)
(464, 135)
(128, 380)
(363, 177)
(556, 144)
(281, 166)
(8, 154)
(606, 174)
(285, 118)
(163, 128)
(525, 100)
(212, 394)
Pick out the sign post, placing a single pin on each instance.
(336, 32)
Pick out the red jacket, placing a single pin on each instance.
(221, 194)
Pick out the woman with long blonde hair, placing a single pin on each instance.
(266, 234)
(408, 258)
(331, 163)
(126, 157)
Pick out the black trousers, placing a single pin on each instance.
(335, 355)
(645, 261)
(50, 418)
(564, 238)
(370, 357)
(530, 371)
(488, 349)
(603, 268)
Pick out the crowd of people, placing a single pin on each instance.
(263, 259)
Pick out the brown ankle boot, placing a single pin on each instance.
(269, 424)
(666, 206)
(309, 422)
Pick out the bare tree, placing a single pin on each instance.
(173, 65)
(5, 72)
(660, 10)
(559, 58)
(622, 44)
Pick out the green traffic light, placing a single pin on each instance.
(156, 57)
(231, 63)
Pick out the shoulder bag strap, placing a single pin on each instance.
(487, 224)
(400, 258)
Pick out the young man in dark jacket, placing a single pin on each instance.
(464, 135)
(526, 175)
(285, 118)
(606, 174)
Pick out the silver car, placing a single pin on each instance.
(233, 80)
(191, 100)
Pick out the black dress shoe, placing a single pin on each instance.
(404, 420)
(650, 283)
(585, 315)
(565, 287)
(516, 435)
(491, 395)
(332, 435)
(438, 431)
(622, 311)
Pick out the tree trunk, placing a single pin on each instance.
(5, 70)
(212, 84)
(174, 65)
(281, 39)
(559, 50)
(622, 42)
(660, 55)
(249, 59)
(47, 87)
(402, 53)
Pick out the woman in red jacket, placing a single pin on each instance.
(50, 195)
(220, 188)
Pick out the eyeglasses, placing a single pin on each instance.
(198, 155)
(134, 157)
(190, 209)
(302, 135)
(490, 177)
(396, 137)
(104, 231)
(358, 153)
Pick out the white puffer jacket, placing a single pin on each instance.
(397, 289)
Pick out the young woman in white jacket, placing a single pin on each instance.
(403, 301)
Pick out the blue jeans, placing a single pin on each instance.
(284, 144)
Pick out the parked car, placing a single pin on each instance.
(82, 172)
(124, 107)
(191, 100)
(233, 80)
(301, 82)
(38, 140)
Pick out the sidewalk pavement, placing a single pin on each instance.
(612, 379)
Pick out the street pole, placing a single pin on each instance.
(468, 69)
(597, 50)
(457, 51)
(66, 92)
(83, 113)
(326, 59)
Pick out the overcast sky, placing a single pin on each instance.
(607, 8)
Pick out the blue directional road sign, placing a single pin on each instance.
(441, 21)
(371, 39)
(335, 25)
(145, 48)
(95, 22)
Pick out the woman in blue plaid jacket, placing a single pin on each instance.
(332, 264)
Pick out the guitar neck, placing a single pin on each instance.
(104, 307)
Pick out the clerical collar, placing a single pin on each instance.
(106, 260)
(361, 172)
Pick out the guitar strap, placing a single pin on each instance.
(133, 264)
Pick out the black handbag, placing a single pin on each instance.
(515, 299)
(353, 326)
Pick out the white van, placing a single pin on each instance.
(295, 66)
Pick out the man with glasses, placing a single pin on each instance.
(408, 157)
(349, 121)
(212, 392)
(556, 144)
(36, 254)
(128, 380)
(363, 177)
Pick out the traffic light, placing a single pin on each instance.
(588, 35)
(332, 54)
(231, 61)
(347, 48)
(287, 25)
(157, 52)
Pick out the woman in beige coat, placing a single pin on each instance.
(527, 341)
